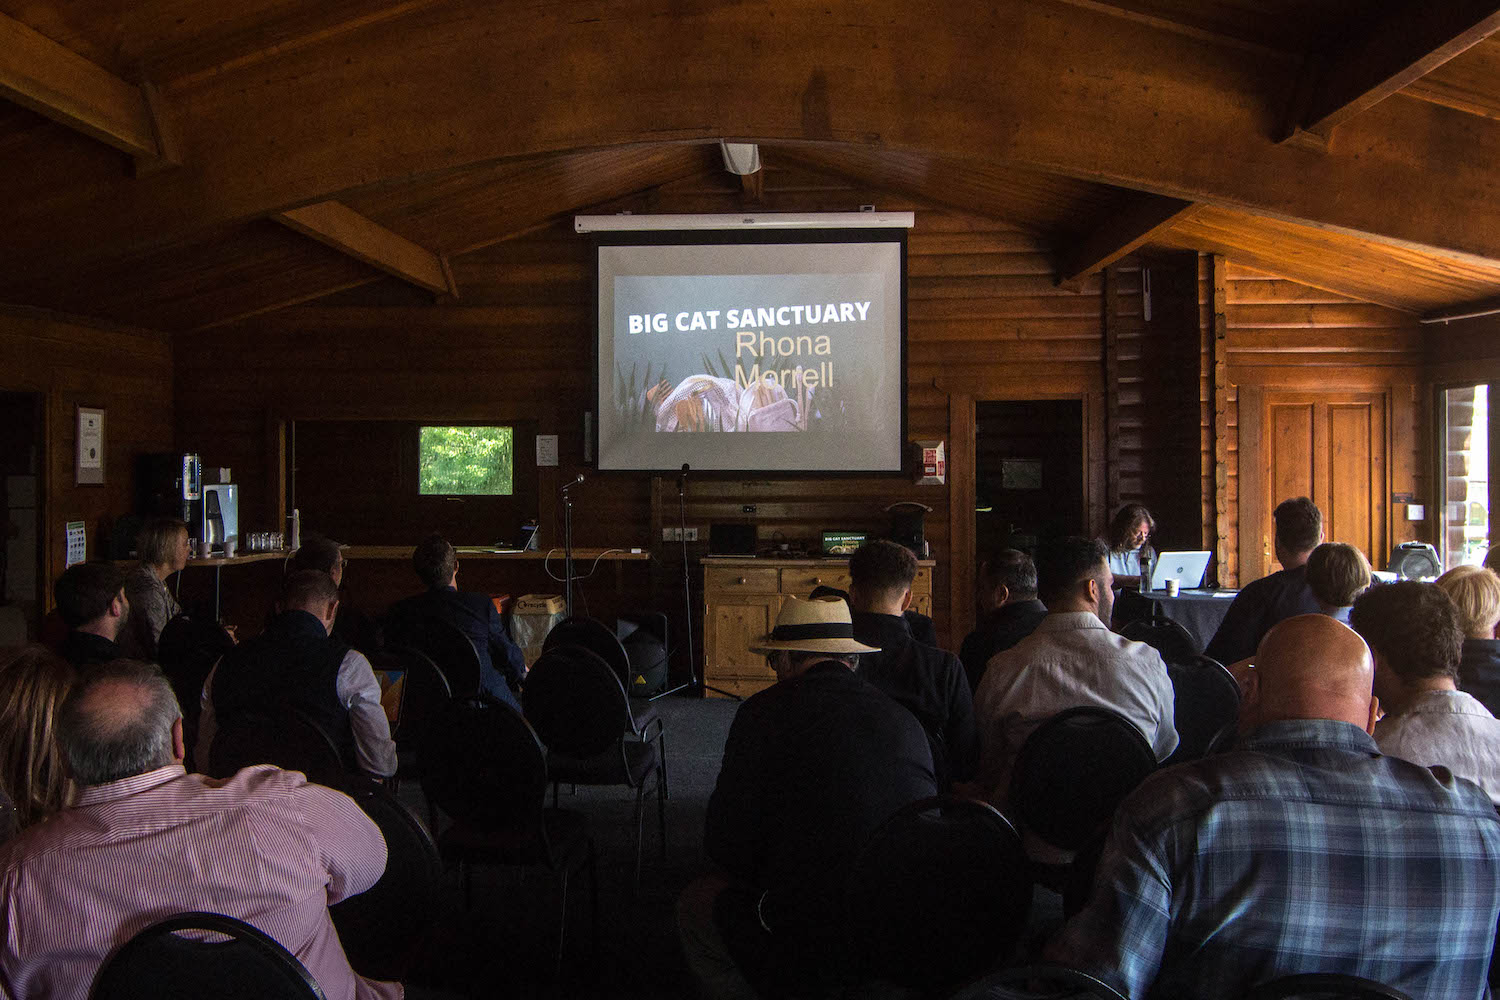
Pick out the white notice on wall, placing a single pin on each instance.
(546, 450)
(90, 440)
(78, 544)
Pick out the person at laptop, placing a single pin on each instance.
(1130, 557)
(1275, 598)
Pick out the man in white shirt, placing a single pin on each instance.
(297, 662)
(1071, 660)
(1415, 637)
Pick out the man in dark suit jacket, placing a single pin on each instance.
(501, 665)
(91, 599)
(930, 682)
(1007, 591)
(1275, 598)
(811, 767)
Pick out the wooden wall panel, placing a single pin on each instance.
(1283, 338)
(75, 363)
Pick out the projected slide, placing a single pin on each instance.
(755, 357)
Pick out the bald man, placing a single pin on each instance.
(1301, 850)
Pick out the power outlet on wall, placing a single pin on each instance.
(671, 534)
(691, 534)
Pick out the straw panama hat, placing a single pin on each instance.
(821, 625)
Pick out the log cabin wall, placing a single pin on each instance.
(986, 322)
(77, 362)
(1334, 368)
(1466, 352)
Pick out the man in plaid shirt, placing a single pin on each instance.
(1302, 850)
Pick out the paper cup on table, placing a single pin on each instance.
(230, 544)
(1173, 585)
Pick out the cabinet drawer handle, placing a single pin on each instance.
(817, 580)
(742, 580)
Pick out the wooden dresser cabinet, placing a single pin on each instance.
(741, 599)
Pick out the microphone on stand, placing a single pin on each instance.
(572, 482)
(682, 478)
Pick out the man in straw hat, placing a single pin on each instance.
(812, 765)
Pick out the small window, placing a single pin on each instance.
(465, 461)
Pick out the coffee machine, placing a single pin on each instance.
(219, 517)
(170, 485)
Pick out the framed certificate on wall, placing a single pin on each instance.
(88, 464)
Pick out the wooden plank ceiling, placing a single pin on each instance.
(406, 135)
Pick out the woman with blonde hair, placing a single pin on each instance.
(1476, 591)
(163, 547)
(34, 682)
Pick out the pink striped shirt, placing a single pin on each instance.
(264, 846)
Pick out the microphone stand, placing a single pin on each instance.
(687, 598)
(568, 545)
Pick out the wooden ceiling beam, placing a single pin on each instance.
(37, 73)
(1088, 96)
(1138, 224)
(336, 225)
(1397, 51)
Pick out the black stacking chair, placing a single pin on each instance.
(284, 736)
(1169, 638)
(483, 764)
(447, 647)
(594, 636)
(959, 864)
(1068, 779)
(1324, 986)
(238, 963)
(424, 690)
(384, 928)
(187, 651)
(1205, 703)
(581, 712)
(1039, 982)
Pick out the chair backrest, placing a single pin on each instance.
(576, 702)
(1206, 701)
(594, 636)
(959, 864)
(483, 765)
(1169, 638)
(447, 646)
(160, 964)
(1073, 771)
(382, 929)
(187, 650)
(1324, 986)
(424, 690)
(281, 735)
(1039, 982)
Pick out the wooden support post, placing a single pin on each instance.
(1226, 569)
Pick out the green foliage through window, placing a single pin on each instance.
(465, 461)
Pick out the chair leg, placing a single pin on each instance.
(594, 898)
(661, 810)
(661, 752)
(640, 809)
(562, 924)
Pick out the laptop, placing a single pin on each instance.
(1187, 567)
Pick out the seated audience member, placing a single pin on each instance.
(1132, 526)
(1492, 559)
(1337, 574)
(1283, 594)
(1476, 591)
(1413, 633)
(325, 555)
(163, 547)
(501, 665)
(297, 662)
(145, 840)
(1302, 850)
(1009, 610)
(812, 766)
(930, 682)
(1072, 659)
(91, 599)
(33, 781)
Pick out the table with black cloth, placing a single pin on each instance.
(1198, 611)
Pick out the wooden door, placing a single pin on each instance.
(1330, 446)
